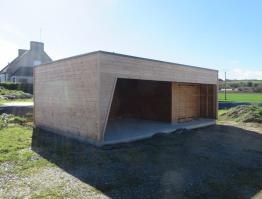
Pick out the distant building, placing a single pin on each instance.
(21, 68)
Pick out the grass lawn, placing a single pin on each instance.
(245, 81)
(214, 162)
(25, 174)
(240, 97)
(3, 101)
(4, 91)
(222, 111)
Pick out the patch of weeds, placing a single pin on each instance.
(13, 139)
(19, 120)
(4, 91)
(4, 119)
(26, 120)
(15, 143)
(54, 192)
(243, 113)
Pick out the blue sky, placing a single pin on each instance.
(224, 35)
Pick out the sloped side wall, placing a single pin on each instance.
(66, 97)
(106, 93)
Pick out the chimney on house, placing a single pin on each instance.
(36, 46)
(21, 51)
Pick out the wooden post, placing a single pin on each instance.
(206, 100)
(215, 101)
(225, 86)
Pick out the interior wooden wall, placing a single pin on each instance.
(185, 101)
(208, 99)
(142, 99)
(191, 101)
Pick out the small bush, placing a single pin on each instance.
(24, 120)
(4, 120)
(19, 120)
(4, 91)
(25, 87)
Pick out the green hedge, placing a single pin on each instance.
(25, 87)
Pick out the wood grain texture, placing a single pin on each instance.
(185, 101)
(66, 96)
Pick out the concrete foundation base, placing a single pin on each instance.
(127, 130)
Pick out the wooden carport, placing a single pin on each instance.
(88, 85)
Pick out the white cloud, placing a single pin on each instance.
(8, 51)
(236, 70)
(241, 73)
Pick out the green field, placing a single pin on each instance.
(240, 97)
(244, 81)
(4, 101)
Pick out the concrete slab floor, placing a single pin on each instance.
(127, 130)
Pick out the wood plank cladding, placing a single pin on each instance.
(74, 96)
(185, 101)
(208, 101)
(139, 68)
(66, 97)
(143, 99)
(114, 66)
(191, 101)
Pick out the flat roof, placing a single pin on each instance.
(123, 55)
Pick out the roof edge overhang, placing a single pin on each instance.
(128, 56)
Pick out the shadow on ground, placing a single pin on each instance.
(213, 162)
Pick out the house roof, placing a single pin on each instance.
(23, 71)
(13, 62)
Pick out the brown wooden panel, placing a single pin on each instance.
(185, 101)
(208, 101)
(142, 99)
(66, 97)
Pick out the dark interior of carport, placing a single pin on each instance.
(149, 100)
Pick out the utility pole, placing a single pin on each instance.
(225, 86)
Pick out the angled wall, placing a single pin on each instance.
(66, 97)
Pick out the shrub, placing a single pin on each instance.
(25, 87)
(4, 91)
(19, 120)
(258, 89)
(4, 120)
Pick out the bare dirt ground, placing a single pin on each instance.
(222, 161)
